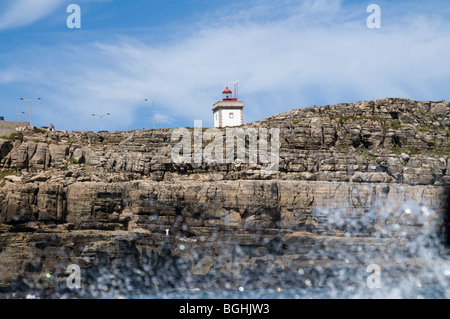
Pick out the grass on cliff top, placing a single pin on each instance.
(40, 131)
(407, 150)
(371, 121)
(12, 136)
(433, 128)
(20, 135)
(365, 153)
(8, 172)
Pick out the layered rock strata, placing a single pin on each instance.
(357, 184)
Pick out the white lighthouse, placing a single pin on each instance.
(229, 111)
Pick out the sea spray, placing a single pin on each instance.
(386, 251)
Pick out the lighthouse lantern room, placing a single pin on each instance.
(229, 111)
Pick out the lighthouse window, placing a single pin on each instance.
(231, 116)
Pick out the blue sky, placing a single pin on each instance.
(286, 54)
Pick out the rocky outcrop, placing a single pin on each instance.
(357, 184)
(391, 140)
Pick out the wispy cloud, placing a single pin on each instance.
(314, 52)
(19, 13)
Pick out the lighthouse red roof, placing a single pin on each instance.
(227, 90)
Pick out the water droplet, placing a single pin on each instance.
(308, 282)
(301, 271)
(419, 284)
(241, 288)
(346, 260)
(280, 289)
(182, 247)
(425, 211)
(407, 211)
(48, 275)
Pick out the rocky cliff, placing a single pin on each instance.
(357, 184)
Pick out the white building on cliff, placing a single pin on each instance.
(229, 111)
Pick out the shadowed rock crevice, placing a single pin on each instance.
(446, 219)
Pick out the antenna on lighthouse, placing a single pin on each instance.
(236, 84)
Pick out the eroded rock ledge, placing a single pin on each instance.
(357, 184)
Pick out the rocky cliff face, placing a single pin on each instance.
(357, 184)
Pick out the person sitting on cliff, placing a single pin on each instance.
(51, 128)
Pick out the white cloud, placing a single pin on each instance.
(13, 74)
(19, 13)
(329, 56)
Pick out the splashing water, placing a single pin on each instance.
(386, 251)
(407, 248)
